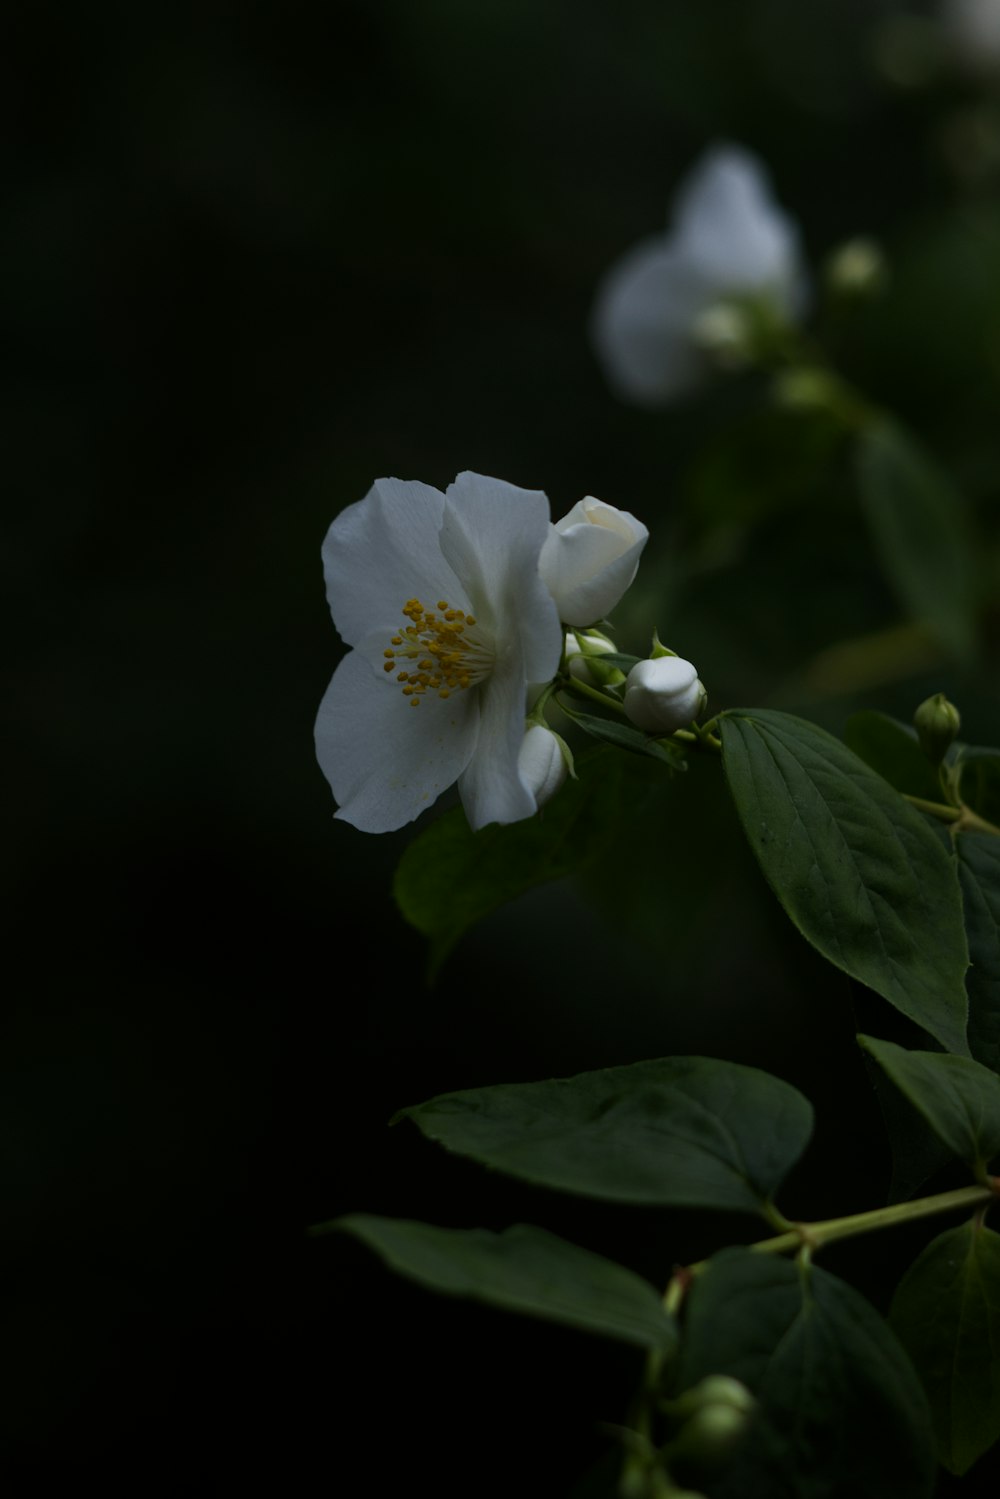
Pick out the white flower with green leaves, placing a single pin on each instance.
(449, 620)
(674, 296)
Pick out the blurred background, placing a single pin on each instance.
(254, 258)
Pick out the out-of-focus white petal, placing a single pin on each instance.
(974, 29)
(641, 323)
(728, 240)
(385, 761)
(589, 559)
(384, 550)
(728, 225)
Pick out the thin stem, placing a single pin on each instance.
(573, 684)
(936, 809)
(964, 817)
(815, 1235)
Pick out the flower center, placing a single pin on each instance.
(447, 652)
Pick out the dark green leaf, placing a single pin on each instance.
(920, 528)
(620, 659)
(449, 877)
(523, 1269)
(918, 1153)
(684, 1130)
(959, 1098)
(946, 1314)
(841, 1411)
(979, 782)
(889, 747)
(979, 872)
(624, 736)
(856, 868)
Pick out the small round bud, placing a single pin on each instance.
(937, 722)
(718, 1389)
(541, 763)
(723, 332)
(856, 269)
(663, 695)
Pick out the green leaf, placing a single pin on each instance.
(946, 1314)
(523, 1269)
(841, 1411)
(920, 529)
(979, 873)
(688, 1131)
(450, 877)
(890, 748)
(624, 736)
(978, 773)
(859, 872)
(959, 1098)
(621, 659)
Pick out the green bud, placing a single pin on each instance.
(658, 649)
(856, 269)
(716, 1389)
(937, 722)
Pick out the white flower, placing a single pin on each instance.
(663, 694)
(728, 241)
(589, 559)
(440, 596)
(541, 763)
(577, 657)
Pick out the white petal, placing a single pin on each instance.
(728, 226)
(491, 787)
(386, 761)
(492, 535)
(384, 550)
(642, 319)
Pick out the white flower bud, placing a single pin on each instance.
(589, 559)
(541, 763)
(663, 694)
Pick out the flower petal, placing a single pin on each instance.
(384, 550)
(642, 320)
(728, 226)
(492, 535)
(386, 761)
(491, 787)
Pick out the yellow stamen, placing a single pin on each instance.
(442, 656)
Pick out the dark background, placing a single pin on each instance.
(255, 257)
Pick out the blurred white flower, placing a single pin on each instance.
(589, 559)
(973, 27)
(663, 694)
(441, 598)
(729, 243)
(541, 763)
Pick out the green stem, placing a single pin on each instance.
(573, 684)
(966, 820)
(816, 1235)
(936, 809)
